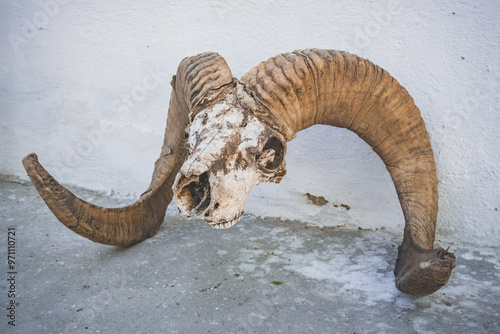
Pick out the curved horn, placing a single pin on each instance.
(199, 80)
(296, 90)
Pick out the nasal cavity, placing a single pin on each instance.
(196, 194)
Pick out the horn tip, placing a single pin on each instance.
(421, 273)
(29, 160)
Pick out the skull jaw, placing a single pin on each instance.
(222, 220)
(218, 201)
(224, 223)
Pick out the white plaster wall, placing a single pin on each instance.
(85, 85)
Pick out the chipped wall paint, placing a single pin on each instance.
(85, 85)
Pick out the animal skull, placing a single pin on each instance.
(225, 135)
(229, 152)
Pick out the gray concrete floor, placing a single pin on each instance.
(190, 278)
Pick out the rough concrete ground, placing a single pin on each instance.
(190, 278)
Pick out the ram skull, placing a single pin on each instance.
(224, 136)
(229, 152)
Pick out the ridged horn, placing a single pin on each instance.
(199, 80)
(294, 91)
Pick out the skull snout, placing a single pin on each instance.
(193, 193)
(195, 198)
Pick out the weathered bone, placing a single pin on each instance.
(227, 158)
(237, 139)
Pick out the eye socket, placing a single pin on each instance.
(272, 154)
